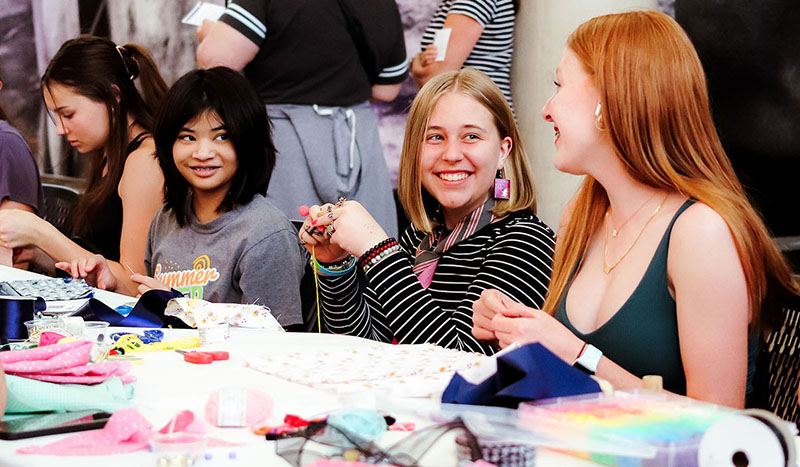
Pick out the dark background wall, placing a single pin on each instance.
(751, 54)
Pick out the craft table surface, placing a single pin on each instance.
(166, 384)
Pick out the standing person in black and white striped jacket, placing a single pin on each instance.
(472, 228)
(482, 37)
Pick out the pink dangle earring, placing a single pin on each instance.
(502, 186)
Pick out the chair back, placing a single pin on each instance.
(58, 206)
(775, 385)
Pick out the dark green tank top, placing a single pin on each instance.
(642, 336)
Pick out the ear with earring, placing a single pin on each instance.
(598, 113)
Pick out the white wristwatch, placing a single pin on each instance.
(588, 359)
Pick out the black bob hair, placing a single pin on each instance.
(230, 96)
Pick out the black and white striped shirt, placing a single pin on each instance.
(513, 255)
(492, 52)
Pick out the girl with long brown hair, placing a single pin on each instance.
(662, 266)
(89, 86)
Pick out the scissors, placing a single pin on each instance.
(203, 358)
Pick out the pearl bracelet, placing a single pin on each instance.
(377, 258)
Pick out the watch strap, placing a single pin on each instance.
(588, 359)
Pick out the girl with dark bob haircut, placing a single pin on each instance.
(217, 237)
(247, 128)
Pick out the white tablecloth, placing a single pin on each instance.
(166, 384)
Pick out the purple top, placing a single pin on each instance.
(19, 174)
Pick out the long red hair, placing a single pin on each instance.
(656, 111)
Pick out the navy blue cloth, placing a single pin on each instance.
(529, 373)
(14, 311)
(148, 312)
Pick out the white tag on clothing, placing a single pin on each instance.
(440, 40)
(201, 11)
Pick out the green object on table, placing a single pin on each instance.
(28, 395)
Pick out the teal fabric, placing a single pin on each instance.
(642, 336)
(27, 395)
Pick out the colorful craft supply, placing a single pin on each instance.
(636, 428)
(303, 210)
(354, 426)
(131, 343)
(238, 407)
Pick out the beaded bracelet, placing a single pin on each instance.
(378, 257)
(339, 268)
(372, 252)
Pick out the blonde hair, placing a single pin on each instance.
(656, 111)
(481, 88)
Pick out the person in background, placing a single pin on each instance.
(89, 87)
(316, 74)
(482, 37)
(20, 186)
(217, 237)
(465, 183)
(662, 266)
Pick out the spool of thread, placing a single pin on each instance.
(14, 311)
(748, 438)
(653, 383)
(214, 334)
(238, 407)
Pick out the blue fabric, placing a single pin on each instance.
(148, 312)
(529, 373)
(13, 314)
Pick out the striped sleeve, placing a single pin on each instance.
(518, 264)
(389, 42)
(249, 17)
(482, 11)
(346, 309)
(394, 74)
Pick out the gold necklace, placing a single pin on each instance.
(606, 268)
(615, 232)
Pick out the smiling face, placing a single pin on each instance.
(205, 156)
(82, 121)
(461, 154)
(572, 112)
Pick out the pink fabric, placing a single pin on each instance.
(186, 422)
(49, 338)
(426, 276)
(126, 431)
(63, 363)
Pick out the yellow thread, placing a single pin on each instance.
(132, 344)
(316, 287)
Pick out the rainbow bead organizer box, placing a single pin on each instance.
(629, 429)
